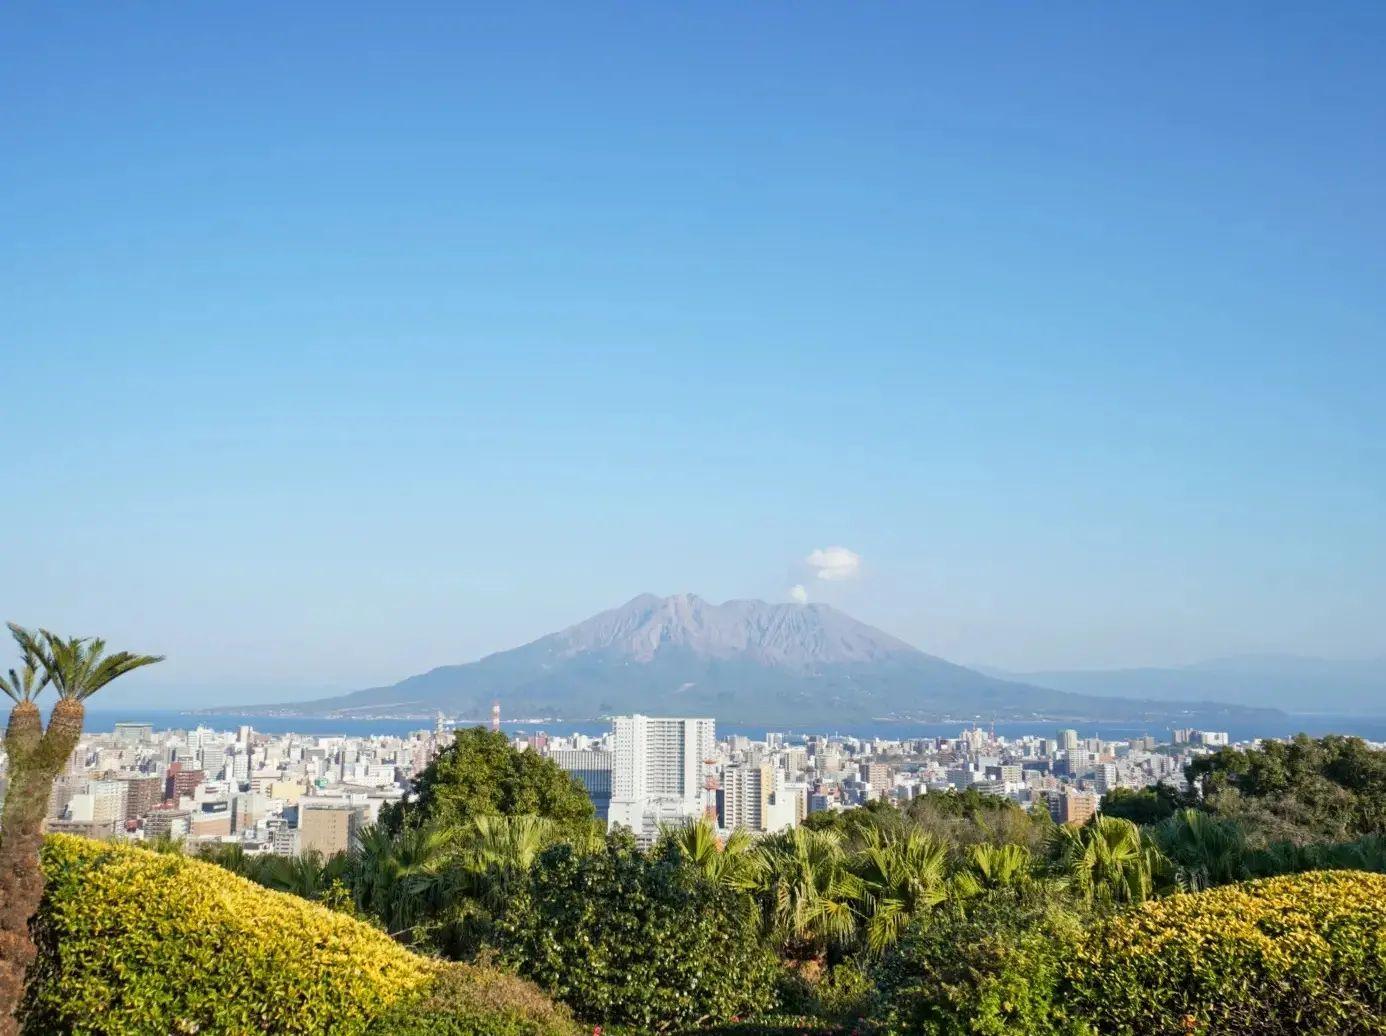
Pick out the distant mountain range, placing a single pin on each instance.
(742, 661)
(1288, 682)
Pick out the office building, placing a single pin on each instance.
(660, 771)
(327, 827)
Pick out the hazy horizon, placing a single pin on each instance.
(364, 345)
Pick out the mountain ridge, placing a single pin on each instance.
(743, 660)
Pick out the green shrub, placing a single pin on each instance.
(134, 942)
(627, 939)
(466, 1000)
(1301, 955)
(774, 1025)
(994, 970)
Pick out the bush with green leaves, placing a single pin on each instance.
(993, 969)
(632, 939)
(467, 1000)
(1303, 955)
(134, 943)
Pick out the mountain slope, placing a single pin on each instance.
(744, 661)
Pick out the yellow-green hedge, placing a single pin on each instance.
(134, 942)
(1303, 954)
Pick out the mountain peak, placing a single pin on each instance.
(793, 636)
(740, 660)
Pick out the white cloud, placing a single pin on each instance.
(834, 563)
(798, 594)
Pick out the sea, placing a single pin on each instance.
(1372, 728)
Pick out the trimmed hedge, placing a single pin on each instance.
(1301, 955)
(135, 942)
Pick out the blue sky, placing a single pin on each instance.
(341, 341)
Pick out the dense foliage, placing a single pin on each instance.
(1299, 956)
(481, 775)
(993, 970)
(134, 942)
(1305, 790)
(957, 912)
(633, 938)
(1144, 805)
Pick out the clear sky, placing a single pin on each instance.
(340, 341)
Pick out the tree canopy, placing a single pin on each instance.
(1304, 790)
(481, 775)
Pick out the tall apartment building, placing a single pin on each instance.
(879, 776)
(745, 797)
(328, 828)
(141, 795)
(1107, 777)
(182, 782)
(1071, 806)
(592, 768)
(659, 770)
(1068, 740)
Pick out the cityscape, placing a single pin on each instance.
(709, 519)
(287, 794)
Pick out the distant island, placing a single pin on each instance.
(743, 661)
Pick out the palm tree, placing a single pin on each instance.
(1205, 851)
(23, 687)
(731, 863)
(902, 877)
(308, 875)
(1108, 860)
(496, 852)
(77, 669)
(808, 892)
(398, 877)
(990, 868)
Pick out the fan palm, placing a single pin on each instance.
(1109, 861)
(496, 851)
(77, 669)
(399, 877)
(1205, 851)
(809, 892)
(902, 877)
(989, 868)
(731, 863)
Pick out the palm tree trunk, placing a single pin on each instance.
(21, 877)
(40, 761)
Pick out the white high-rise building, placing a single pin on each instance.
(746, 794)
(659, 769)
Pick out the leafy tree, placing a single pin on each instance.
(481, 775)
(996, 969)
(77, 669)
(1330, 789)
(1145, 806)
(634, 939)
